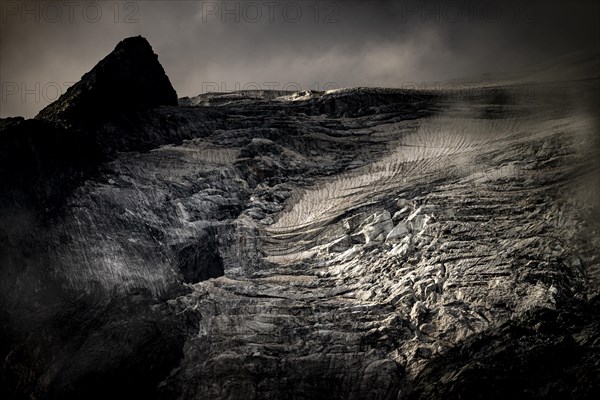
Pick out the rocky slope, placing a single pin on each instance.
(129, 78)
(357, 244)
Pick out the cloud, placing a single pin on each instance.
(348, 43)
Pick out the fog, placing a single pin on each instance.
(231, 45)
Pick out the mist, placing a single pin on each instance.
(292, 45)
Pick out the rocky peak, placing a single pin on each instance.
(130, 78)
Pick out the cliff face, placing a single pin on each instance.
(129, 78)
(356, 244)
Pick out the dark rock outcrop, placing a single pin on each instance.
(40, 160)
(201, 260)
(112, 109)
(130, 78)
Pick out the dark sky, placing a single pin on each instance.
(44, 46)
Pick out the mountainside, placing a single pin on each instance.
(129, 78)
(351, 244)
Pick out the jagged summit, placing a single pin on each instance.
(129, 78)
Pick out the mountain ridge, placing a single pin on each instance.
(355, 244)
(130, 78)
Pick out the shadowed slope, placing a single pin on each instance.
(129, 78)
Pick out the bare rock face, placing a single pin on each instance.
(544, 354)
(99, 116)
(353, 244)
(128, 79)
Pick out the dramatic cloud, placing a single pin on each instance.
(230, 45)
